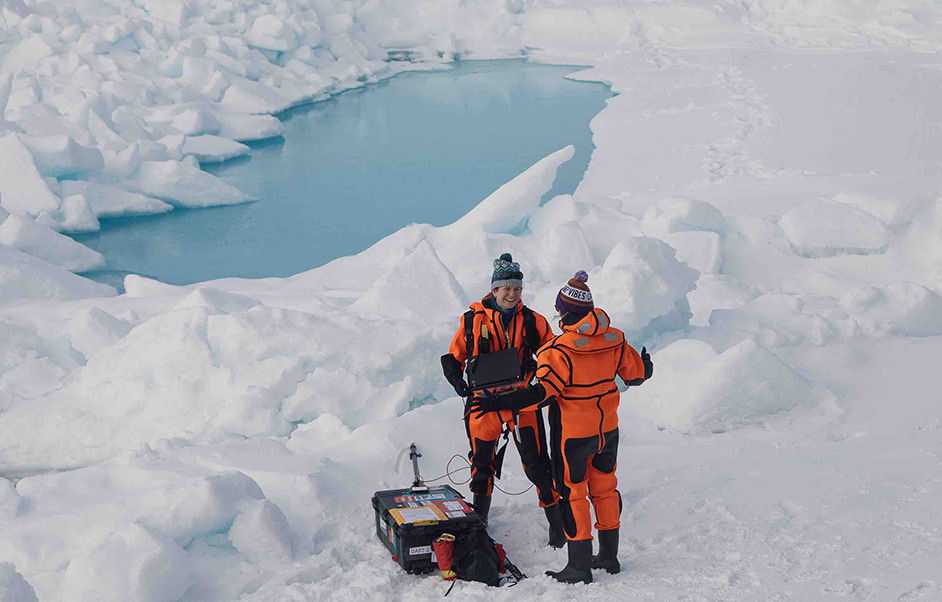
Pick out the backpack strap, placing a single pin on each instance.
(530, 333)
(469, 331)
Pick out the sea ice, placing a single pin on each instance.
(823, 228)
(40, 241)
(110, 201)
(183, 185)
(23, 276)
(22, 188)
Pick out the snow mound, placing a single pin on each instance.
(23, 276)
(643, 287)
(322, 432)
(419, 275)
(13, 587)
(825, 228)
(216, 302)
(698, 391)
(260, 532)
(92, 329)
(902, 308)
(46, 244)
(133, 564)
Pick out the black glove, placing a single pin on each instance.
(452, 369)
(482, 404)
(648, 364)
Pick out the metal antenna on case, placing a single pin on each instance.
(417, 483)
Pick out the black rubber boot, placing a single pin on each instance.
(482, 505)
(608, 552)
(554, 516)
(577, 570)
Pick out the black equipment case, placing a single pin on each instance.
(409, 520)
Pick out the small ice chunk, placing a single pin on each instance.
(218, 302)
(22, 188)
(40, 241)
(10, 502)
(677, 214)
(644, 287)
(26, 55)
(322, 432)
(6, 85)
(213, 149)
(108, 201)
(260, 532)
(74, 215)
(269, 32)
(133, 564)
(183, 185)
(248, 128)
(194, 122)
(703, 251)
(564, 251)
(92, 329)
(23, 276)
(825, 228)
(890, 211)
(13, 587)
(246, 96)
(168, 11)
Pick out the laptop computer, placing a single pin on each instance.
(495, 370)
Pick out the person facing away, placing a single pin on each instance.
(576, 379)
(501, 321)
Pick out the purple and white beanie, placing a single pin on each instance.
(506, 272)
(575, 297)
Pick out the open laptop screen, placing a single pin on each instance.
(493, 370)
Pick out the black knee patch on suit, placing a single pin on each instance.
(618, 493)
(577, 456)
(482, 466)
(605, 460)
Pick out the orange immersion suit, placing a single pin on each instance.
(490, 333)
(578, 368)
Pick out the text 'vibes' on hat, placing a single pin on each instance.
(506, 272)
(575, 296)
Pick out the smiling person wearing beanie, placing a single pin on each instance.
(576, 379)
(501, 321)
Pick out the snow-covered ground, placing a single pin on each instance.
(762, 210)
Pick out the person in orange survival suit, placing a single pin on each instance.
(576, 378)
(499, 321)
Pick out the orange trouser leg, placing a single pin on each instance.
(602, 484)
(483, 432)
(530, 439)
